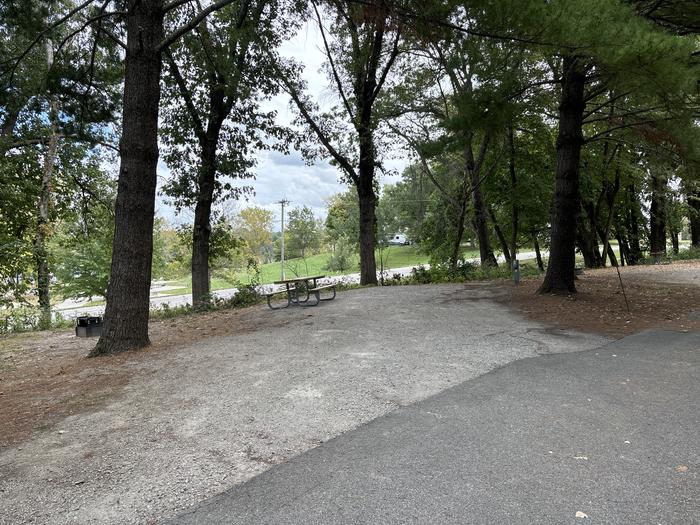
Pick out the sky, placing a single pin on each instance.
(281, 176)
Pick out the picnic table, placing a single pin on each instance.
(306, 285)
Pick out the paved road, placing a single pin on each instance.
(607, 433)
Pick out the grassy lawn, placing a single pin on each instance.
(394, 257)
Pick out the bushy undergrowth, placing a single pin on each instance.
(246, 295)
(465, 271)
(28, 319)
(691, 253)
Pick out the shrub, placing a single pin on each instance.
(465, 271)
(28, 319)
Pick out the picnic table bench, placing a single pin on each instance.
(307, 285)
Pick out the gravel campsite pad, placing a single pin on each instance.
(221, 397)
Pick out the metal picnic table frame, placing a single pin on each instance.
(292, 290)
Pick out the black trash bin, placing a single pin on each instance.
(88, 326)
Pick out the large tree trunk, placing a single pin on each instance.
(657, 212)
(126, 314)
(368, 203)
(560, 270)
(201, 232)
(480, 221)
(367, 200)
(42, 228)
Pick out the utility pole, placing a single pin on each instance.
(283, 202)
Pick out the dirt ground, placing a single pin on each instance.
(46, 376)
(48, 385)
(659, 296)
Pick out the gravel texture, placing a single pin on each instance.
(208, 416)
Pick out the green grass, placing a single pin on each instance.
(394, 257)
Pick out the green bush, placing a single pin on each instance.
(342, 257)
(465, 271)
(691, 253)
(28, 319)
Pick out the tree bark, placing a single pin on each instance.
(457, 243)
(480, 222)
(560, 270)
(586, 245)
(611, 195)
(634, 254)
(42, 229)
(591, 235)
(657, 212)
(367, 201)
(624, 249)
(514, 195)
(538, 254)
(501, 238)
(694, 203)
(201, 231)
(674, 241)
(128, 292)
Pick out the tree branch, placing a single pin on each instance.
(339, 158)
(332, 64)
(194, 22)
(186, 96)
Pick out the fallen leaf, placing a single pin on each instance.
(581, 515)
(681, 468)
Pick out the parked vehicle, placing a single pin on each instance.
(399, 240)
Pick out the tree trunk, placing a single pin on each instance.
(623, 247)
(657, 212)
(501, 238)
(586, 245)
(368, 264)
(607, 249)
(42, 228)
(457, 243)
(480, 222)
(201, 232)
(538, 254)
(560, 270)
(674, 241)
(514, 195)
(611, 195)
(694, 203)
(591, 235)
(128, 292)
(368, 203)
(634, 254)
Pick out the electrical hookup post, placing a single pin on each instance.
(516, 272)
